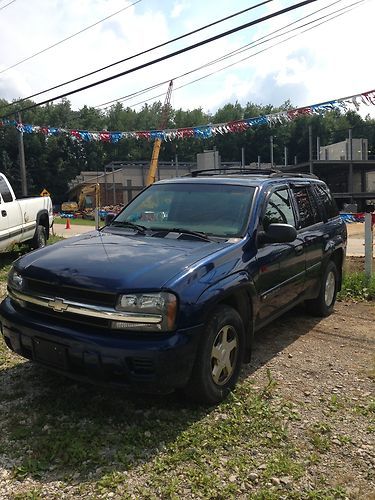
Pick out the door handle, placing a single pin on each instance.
(4, 213)
(298, 249)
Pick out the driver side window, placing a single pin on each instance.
(278, 209)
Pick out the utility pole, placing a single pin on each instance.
(242, 157)
(271, 150)
(285, 156)
(350, 158)
(310, 151)
(21, 153)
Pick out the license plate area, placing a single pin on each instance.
(50, 353)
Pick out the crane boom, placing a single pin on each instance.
(157, 144)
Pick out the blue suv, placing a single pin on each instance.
(170, 292)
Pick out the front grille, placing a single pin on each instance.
(66, 318)
(82, 295)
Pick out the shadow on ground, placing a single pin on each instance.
(54, 428)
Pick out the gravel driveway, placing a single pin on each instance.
(316, 377)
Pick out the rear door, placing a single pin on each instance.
(311, 230)
(281, 265)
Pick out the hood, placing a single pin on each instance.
(115, 262)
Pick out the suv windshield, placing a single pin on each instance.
(214, 209)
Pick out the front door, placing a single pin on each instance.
(4, 226)
(281, 265)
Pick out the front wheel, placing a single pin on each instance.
(219, 358)
(40, 238)
(323, 305)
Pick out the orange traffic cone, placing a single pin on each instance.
(67, 226)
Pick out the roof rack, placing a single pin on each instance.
(270, 172)
(233, 170)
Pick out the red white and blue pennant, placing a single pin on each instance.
(345, 104)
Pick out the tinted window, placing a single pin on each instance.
(326, 201)
(307, 208)
(216, 209)
(4, 190)
(278, 209)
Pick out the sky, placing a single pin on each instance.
(328, 62)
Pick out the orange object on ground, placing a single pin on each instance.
(67, 226)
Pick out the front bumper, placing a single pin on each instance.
(149, 362)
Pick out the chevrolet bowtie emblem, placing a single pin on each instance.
(58, 305)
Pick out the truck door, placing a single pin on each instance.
(4, 226)
(10, 216)
(281, 265)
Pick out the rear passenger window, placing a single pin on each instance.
(278, 209)
(307, 208)
(326, 201)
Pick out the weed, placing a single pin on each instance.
(357, 286)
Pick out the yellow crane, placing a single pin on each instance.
(157, 144)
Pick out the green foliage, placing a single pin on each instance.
(357, 286)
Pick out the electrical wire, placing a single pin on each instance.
(244, 59)
(255, 43)
(140, 53)
(1, 8)
(170, 55)
(65, 39)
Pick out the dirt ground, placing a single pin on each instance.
(326, 369)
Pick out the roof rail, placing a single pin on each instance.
(233, 170)
(291, 174)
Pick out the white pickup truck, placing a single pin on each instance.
(24, 220)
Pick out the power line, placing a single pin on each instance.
(65, 39)
(243, 59)
(172, 54)
(255, 43)
(1, 8)
(141, 53)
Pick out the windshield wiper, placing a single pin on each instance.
(125, 223)
(197, 234)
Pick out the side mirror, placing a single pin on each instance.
(108, 219)
(278, 233)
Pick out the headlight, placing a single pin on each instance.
(147, 312)
(15, 280)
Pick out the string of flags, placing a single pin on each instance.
(203, 131)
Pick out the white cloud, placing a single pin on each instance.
(329, 62)
(178, 8)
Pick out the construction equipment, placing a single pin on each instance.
(89, 198)
(156, 149)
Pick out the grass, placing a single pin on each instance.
(74, 222)
(356, 286)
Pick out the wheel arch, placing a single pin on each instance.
(338, 258)
(240, 297)
(42, 219)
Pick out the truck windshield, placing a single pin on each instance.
(213, 209)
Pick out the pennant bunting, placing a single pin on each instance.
(202, 131)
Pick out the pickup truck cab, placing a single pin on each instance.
(169, 294)
(23, 220)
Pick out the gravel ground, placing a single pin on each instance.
(322, 370)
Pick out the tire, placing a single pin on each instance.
(40, 238)
(323, 305)
(219, 359)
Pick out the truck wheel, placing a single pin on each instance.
(219, 357)
(323, 305)
(40, 238)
